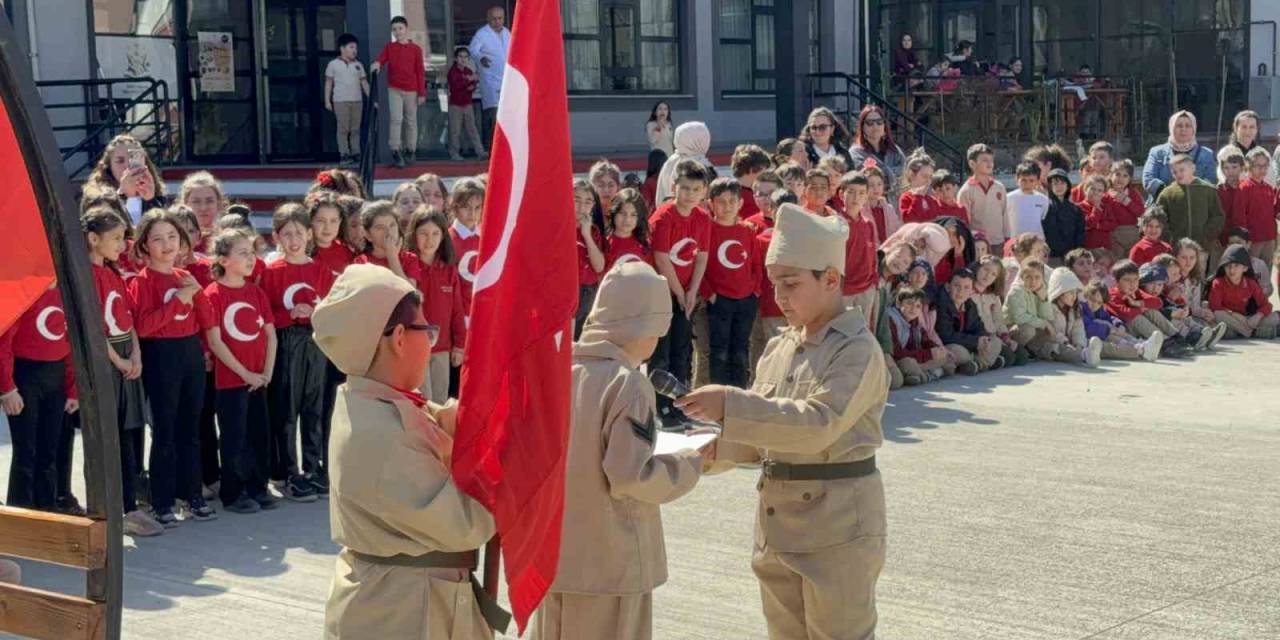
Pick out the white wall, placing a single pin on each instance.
(1260, 48)
(61, 52)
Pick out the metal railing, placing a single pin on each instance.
(109, 107)
(856, 93)
(369, 135)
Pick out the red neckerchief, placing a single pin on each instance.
(416, 398)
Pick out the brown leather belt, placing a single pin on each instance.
(497, 617)
(785, 471)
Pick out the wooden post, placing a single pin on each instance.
(54, 196)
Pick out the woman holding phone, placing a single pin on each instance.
(126, 169)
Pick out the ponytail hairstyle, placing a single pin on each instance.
(635, 199)
(223, 242)
(151, 220)
(342, 181)
(431, 215)
(918, 160)
(100, 220)
(104, 197)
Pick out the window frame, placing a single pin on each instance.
(609, 73)
(757, 74)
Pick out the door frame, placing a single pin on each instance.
(314, 77)
(186, 95)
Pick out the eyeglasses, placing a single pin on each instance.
(822, 127)
(433, 331)
(873, 123)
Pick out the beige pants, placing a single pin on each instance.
(460, 119)
(868, 301)
(762, 332)
(701, 346)
(1044, 345)
(1122, 240)
(895, 374)
(348, 115)
(1119, 348)
(436, 385)
(570, 616)
(912, 368)
(1149, 322)
(985, 357)
(829, 593)
(1238, 325)
(404, 120)
(1264, 251)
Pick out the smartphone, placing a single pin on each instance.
(137, 158)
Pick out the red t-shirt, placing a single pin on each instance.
(586, 274)
(1261, 204)
(288, 285)
(157, 311)
(768, 303)
(442, 304)
(681, 237)
(128, 268)
(336, 257)
(626, 250)
(955, 210)
(462, 85)
(749, 207)
(1126, 215)
(918, 207)
(759, 222)
(1120, 308)
(202, 270)
(467, 252)
(1225, 296)
(409, 262)
(861, 267)
(1099, 222)
(404, 67)
(241, 315)
(117, 309)
(1233, 208)
(1145, 250)
(731, 265)
(40, 334)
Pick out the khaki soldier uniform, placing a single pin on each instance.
(813, 418)
(612, 554)
(409, 536)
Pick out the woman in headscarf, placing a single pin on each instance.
(1182, 140)
(692, 140)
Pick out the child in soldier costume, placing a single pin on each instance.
(611, 550)
(408, 535)
(812, 418)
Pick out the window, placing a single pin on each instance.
(746, 59)
(621, 46)
(1062, 35)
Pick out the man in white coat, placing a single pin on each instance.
(489, 48)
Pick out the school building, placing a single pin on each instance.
(239, 82)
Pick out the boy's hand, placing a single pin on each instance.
(72, 405)
(705, 403)
(422, 100)
(1254, 320)
(455, 357)
(939, 353)
(691, 302)
(301, 311)
(983, 341)
(12, 403)
(484, 62)
(373, 68)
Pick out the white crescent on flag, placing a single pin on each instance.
(513, 118)
(109, 315)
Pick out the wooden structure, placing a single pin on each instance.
(92, 543)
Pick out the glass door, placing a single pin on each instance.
(300, 37)
(221, 121)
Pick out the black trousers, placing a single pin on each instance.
(332, 380)
(66, 453)
(173, 372)
(242, 417)
(36, 432)
(586, 298)
(127, 395)
(297, 396)
(729, 323)
(210, 469)
(674, 352)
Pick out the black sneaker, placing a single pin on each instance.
(200, 511)
(998, 364)
(166, 518)
(299, 489)
(968, 368)
(319, 482)
(69, 505)
(243, 504)
(266, 501)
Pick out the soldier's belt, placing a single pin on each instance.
(784, 471)
(497, 617)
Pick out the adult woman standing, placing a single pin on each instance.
(660, 129)
(126, 168)
(825, 136)
(1244, 134)
(1182, 140)
(692, 141)
(873, 141)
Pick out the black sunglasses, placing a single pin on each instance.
(413, 326)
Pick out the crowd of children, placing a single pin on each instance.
(209, 331)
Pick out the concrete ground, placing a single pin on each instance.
(1140, 501)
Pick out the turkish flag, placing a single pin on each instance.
(26, 266)
(513, 423)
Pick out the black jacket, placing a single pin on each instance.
(952, 331)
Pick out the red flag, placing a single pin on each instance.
(513, 422)
(26, 270)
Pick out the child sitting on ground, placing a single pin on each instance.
(1153, 223)
(1187, 254)
(1068, 318)
(1030, 314)
(920, 276)
(1103, 260)
(1241, 236)
(920, 358)
(981, 246)
(961, 329)
(894, 263)
(1080, 262)
(1236, 298)
(1118, 343)
(1152, 278)
(988, 295)
(1139, 310)
(1175, 295)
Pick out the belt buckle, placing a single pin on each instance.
(768, 467)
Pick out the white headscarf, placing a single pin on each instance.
(1173, 122)
(692, 140)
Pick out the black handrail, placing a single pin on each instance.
(106, 116)
(905, 127)
(369, 135)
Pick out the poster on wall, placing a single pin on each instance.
(137, 57)
(217, 62)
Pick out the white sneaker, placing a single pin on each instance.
(1206, 336)
(1219, 331)
(1093, 355)
(1151, 348)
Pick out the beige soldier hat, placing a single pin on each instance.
(805, 241)
(633, 302)
(348, 322)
